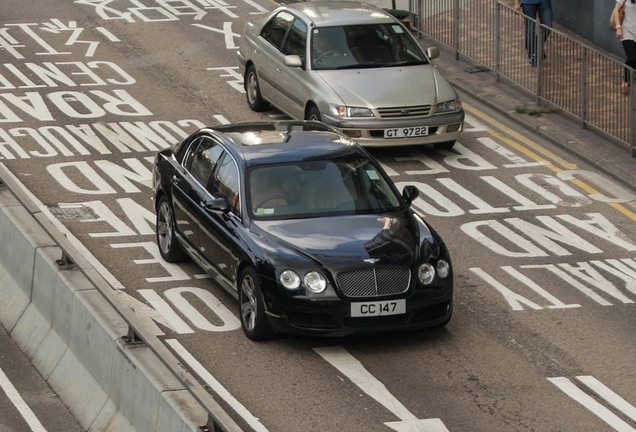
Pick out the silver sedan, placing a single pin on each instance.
(353, 66)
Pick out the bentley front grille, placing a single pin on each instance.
(374, 282)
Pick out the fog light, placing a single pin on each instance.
(352, 133)
(453, 127)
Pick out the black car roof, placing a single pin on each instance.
(283, 141)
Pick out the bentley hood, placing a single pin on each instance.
(339, 241)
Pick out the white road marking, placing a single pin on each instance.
(342, 360)
(15, 398)
(111, 37)
(609, 395)
(571, 389)
(216, 386)
(221, 119)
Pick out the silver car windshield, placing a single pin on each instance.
(317, 188)
(363, 46)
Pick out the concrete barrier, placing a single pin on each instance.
(73, 337)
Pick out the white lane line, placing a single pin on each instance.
(216, 386)
(351, 367)
(609, 395)
(591, 404)
(19, 403)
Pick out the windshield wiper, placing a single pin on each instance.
(405, 63)
(363, 66)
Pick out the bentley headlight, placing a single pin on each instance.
(443, 268)
(290, 279)
(448, 106)
(315, 282)
(347, 111)
(426, 273)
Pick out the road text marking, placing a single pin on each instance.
(339, 358)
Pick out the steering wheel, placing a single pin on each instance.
(266, 200)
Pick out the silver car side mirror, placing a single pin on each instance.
(293, 60)
(432, 52)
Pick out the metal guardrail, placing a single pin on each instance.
(138, 332)
(572, 76)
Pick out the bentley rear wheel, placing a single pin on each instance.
(169, 246)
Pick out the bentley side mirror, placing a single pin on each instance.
(409, 193)
(217, 205)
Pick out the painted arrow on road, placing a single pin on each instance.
(342, 360)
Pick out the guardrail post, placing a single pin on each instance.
(632, 111)
(584, 82)
(497, 39)
(538, 54)
(415, 14)
(132, 337)
(65, 262)
(211, 426)
(456, 28)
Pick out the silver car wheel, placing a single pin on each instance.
(254, 98)
(313, 114)
(252, 88)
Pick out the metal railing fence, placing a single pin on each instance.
(570, 75)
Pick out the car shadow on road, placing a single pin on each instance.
(378, 341)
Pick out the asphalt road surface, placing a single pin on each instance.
(26, 401)
(542, 337)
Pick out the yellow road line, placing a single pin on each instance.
(536, 147)
(540, 154)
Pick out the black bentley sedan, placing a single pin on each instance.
(304, 228)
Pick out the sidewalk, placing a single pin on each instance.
(505, 97)
(557, 127)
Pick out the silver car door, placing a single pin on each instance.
(293, 88)
(268, 57)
